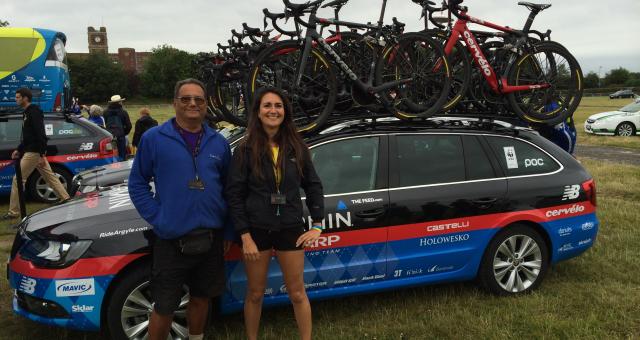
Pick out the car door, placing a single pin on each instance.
(443, 187)
(352, 247)
(10, 129)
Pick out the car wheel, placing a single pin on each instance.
(130, 308)
(625, 129)
(40, 190)
(515, 261)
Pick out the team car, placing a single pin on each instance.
(622, 122)
(406, 205)
(74, 145)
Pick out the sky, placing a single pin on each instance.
(601, 35)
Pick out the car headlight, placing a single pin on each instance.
(88, 188)
(52, 253)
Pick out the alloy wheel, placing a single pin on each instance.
(517, 263)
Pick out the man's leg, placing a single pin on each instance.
(159, 326)
(53, 181)
(197, 311)
(27, 164)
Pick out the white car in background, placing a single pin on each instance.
(622, 122)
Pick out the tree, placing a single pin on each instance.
(591, 80)
(96, 78)
(4, 23)
(164, 67)
(617, 77)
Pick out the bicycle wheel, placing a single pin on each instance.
(229, 96)
(314, 98)
(460, 64)
(358, 55)
(547, 63)
(421, 59)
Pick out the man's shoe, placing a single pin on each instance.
(8, 216)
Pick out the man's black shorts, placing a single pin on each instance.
(284, 239)
(171, 270)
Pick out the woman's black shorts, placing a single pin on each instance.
(283, 239)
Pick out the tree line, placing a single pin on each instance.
(619, 77)
(95, 78)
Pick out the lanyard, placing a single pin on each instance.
(196, 148)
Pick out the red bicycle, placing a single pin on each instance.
(540, 81)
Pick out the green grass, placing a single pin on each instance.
(593, 296)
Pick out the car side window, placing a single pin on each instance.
(429, 159)
(478, 164)
(59, 128)
(348, 165)
(519, 158)
(10, 131)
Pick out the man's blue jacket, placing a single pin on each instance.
(165, 159)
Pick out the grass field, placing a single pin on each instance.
(594, 296)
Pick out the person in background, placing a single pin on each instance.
(117, 121)
(95, 115)
(267, 171)
(32, 153)
(144, 123)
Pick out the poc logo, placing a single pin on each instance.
(81, 309)
(325, 241)
(571, 192)
(75, 287)
(533, 162)
(28, 285)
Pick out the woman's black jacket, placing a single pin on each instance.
(249, 197)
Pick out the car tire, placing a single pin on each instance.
(40, 191)
(505, 271)
(625, 129)
(130, 306)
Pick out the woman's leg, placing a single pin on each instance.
(256, 282)
(292, 264)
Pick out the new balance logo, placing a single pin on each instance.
(28, 285)
(571, 192)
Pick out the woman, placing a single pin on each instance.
(95, 115)
(263, 191)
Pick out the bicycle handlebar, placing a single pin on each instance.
(274, 17)
(302, 7)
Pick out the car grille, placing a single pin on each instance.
(591, 121)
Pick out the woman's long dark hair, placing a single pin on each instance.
(287, 138)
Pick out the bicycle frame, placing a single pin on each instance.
(461, 31)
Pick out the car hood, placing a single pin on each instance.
(602, 115)
(113, 169)
(87, 212)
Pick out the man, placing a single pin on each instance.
(188, 163)
(144, 123)
(33, 149)
(118, 123)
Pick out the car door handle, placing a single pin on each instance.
(371, 213)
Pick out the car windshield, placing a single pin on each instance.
(633, 107)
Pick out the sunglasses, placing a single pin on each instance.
(186, 100)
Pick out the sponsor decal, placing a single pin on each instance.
(27, 285)
(268, 291)
(91, 200)
(565, 231)
(86, 147)
(29, 79)
(574, 209)
(346, 281)
(445, 239)
(482, 62)
(367, 200)
(448, 226)
(510, 157)
(334, 221)
(283, 288)
(75, 287)
(565, 247)
(5, 163)
(341, 205)
(65, 132)
(123, 232)
(48, 129)
(571, 192)
(587, 226)
(325, 241)
(373, 277)
(81, 309)
(119, 198)
(533, 162)
(583, 242)
(437, 268)
(82, 157)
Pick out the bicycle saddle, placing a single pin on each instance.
(335, 3)
(536, 7)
